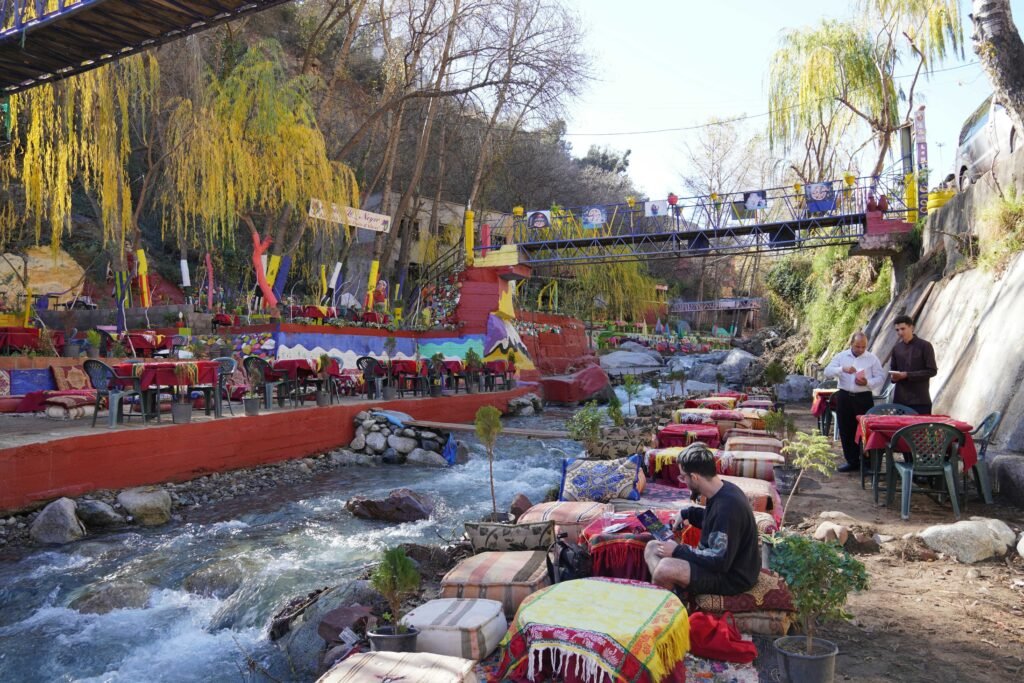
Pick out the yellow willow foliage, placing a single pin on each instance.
(625, 287)
(76, 129)
(252, 147)
(30, 11)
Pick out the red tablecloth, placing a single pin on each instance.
(713, 402)
(316, 312)
(875, 432)
(685, 434)
(162, 374)
(298, 368)
(225, 320)
(620, 555)
(147, 341)
(19, 338)
(821, 400)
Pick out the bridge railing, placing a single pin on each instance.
(715, 214)
(15, 15)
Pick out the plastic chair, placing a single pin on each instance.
(261, 375)
(108, 384)
(226, 367)
(373, 375)
(982, 436)
(874, 467)
(934, 451)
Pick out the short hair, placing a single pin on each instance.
(698, 459)
(856, 335)
(904, 320)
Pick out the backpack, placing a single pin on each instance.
(567, 561)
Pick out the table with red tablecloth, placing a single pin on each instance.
(28, 339)
(376, 318)
(821, 400)
(685, 434)
(296, 368)
(876, 431)
(713, 402)
(225, 320)
(165, 374)
(315, 312)
(145, 342)
(620, 554)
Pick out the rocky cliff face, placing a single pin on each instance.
(973, 317)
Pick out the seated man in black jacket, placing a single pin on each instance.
(726, 561)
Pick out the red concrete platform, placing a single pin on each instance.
(122, 457)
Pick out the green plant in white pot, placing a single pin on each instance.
(820, 576)
(396, 578)
(804, 452)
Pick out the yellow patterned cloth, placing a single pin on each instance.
(625, 630)
(663, 457)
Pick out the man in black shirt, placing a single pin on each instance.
(726, 561)
(912, 365)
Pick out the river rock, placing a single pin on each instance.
(627, 359)
(57, 523)
(520, 504)
(860, 543)
(830, 531)
(96, 514)
(358, 443)
(150, 506)
(695, 387)
(362, 416)
(461, 453)
(431, 445)
(392, 457)
(429, 435)
(344, 458)
(640, 348)
(970, 541)
(402, 444)
(106, 597)
(796, 389)
(735, 365)
(1020, 545)
(377, 441)
(219, 579)
(421, 456)
(401, 505)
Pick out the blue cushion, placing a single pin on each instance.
(600, 480)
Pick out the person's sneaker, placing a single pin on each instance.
(848, 468)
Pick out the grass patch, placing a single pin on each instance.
(1002, 234)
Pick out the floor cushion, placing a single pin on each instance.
(753, 464)
(763, 495)
(702, 670)
(766, 523)
(469, 628)
(599, 480)
(70, 378)
(485, 536)
(754, 417)
(656, 497)
(763, 444)
(745, 431)
(765, 609)
(505, 576)
(701, 414)
(769, 622)
(407, 667)
(60, 412)
(569, 517)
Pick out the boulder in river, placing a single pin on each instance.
(219, 579)
(377, 441)
(402, 444)
(627, 359)
(57, 523)
(149, 505)
(421, 456)
(401, 505)
(796, 389)
(520, 504)
(96, 513)
(106, 597)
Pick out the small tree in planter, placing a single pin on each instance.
(474, 365)
(678, 379)
(436, 373)
(819, 576)
(585, 426)
(719, 379)
(185, 375)
(323, 395)
(773, 375)
(615, 410)
(488, 427)
(251, 401)
(805, 452)
(775, 423)
(390, 344)
(395, 578)
(631, 386)
(93, 340)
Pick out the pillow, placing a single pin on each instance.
(5, 382)
(505, 537)
(70, 378)
(690, 418)
(600, 480)
(769, 593)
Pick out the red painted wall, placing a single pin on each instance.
(119, 458)
(558, 354)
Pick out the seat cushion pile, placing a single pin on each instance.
(407, 667)
(766, 609)
(763, 444)
(485, 536)
(570, 518)
(753, 464)
(505, 576)
(468, 628)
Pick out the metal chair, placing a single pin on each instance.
(373, 375)
(934, 451)
(874, 469)
(108, 384)
(264, 378)
(982, 436)
(225, 368)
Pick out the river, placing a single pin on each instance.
(290, 541)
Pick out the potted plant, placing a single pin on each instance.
(632, 388)
(585, 426)
(323, 394)
(390, 344)
(805, 452)
(719, 379)
(773, 375)
(615, 410)
(488, 427)
(775, 423)
(474, 366)
(395, 578)
(436, 374)
(93, 340)
(820, 576)
(186, 375)
(511, 367)
(251, 401)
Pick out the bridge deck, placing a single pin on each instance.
(83, 34)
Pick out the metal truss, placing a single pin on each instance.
(740, 304)
(39, 45)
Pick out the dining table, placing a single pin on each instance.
(201, 374)
(616, 544)
(719, 402)
(147, 342)
(28, 339)
(685, 434)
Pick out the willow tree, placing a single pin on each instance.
(852, 64)
(622, 290)
(252, 154)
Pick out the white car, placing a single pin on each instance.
(986, 134)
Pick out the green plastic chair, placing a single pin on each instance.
(982, 436)
(874, 463)
(934, 451)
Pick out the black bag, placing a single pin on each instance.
(567, 561)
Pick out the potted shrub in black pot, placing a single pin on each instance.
(389, 392)
(186, 375)
(488, 427)
(395, 578)
(820, 576)
(251, 402)
(804, 452)
(474, 371)
(773, 375)
(93, 340)
(436, 374)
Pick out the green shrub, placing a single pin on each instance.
(585, 426)
(396, 578)
(488, 427)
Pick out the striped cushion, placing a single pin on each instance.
(570, 517)
(407, 667)
(763, 444)
(766, 524)
(677, 415)
(468, 628)
(505, 576)
(763, 495)
(753, 464)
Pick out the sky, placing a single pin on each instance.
(677, 63)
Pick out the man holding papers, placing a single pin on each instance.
(859, 374)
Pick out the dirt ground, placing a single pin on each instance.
(921, 620)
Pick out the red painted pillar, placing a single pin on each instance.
(485, 238)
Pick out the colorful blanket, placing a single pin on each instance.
(598, 629)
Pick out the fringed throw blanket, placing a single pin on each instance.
(598, 631)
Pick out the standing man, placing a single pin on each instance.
(859, 374)
(913, 364)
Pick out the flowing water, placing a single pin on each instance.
(289, 542)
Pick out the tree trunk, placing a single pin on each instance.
(999, 47)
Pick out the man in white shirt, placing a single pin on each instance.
(859, 374)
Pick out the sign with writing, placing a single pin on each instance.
(346, 215)
(921, 143)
